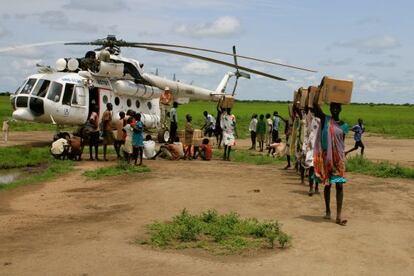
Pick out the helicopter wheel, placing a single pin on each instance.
(163, 136)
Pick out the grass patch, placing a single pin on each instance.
(17, 157)
(218, 234)
(119, 169)
(379, 169)
(54, 168)
(250, 157)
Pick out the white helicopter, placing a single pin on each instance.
(66, 94)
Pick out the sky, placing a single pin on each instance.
(366, 41)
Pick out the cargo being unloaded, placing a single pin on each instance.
(335, 90)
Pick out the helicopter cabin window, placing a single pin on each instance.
(137, 103)
(67, 95)
(79, 96)
(149, 104)
(116, 101)
(41, 88)
(55, 92)
(28, 86)
(105, 99)
(129, 103)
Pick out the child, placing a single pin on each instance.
(277, 149)
(252, 129)
(261, 131)
(205, 150)
(358, 130)
(127, 146)
(188, 137)
(149, 147)
(138, 139)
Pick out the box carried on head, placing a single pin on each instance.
(227, 102)
(335, 91)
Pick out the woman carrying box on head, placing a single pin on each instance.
(329, 156)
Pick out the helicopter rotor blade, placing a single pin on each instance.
(169, 51)
(223, 53)
(25, 46)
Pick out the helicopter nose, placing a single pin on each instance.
(23, 114)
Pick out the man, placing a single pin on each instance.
(269, 129)
(120, 137)
(252, 129)
(165, 105)
(108, 135)
(275, 130)
(358, 130)
(209, 124)
(171, 151)
(174, 121)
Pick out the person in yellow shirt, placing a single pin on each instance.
(166, 99)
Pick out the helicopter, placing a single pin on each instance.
(67, 94)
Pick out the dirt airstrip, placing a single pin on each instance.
(75, 226)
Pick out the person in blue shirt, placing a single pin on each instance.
(138, 139)
(358, 130)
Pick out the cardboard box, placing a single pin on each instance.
(336, 91)
(312, 90)
(303, 97)
(198, 133)
(227, 102)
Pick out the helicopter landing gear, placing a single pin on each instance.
(163, 136)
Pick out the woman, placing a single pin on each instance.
(228, 124)
(329, 157)
(92, 128)
(188, 137)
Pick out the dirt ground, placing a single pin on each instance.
(76, 226)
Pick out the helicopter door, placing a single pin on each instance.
(74, 104)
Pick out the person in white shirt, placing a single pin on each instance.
(252, 129)
(149, 147)
(209, 125)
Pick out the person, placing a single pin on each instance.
(188, 137)
(228, 124)
(209, 124)
(174, 121)
(75, 147)
(218, 129)
(329, 156)
(5, 130)
(59, 149)
(107, 134)
(277, 149)
(252, 129)
(165, 105)
(205, 150)
(171, 151)
(149, 147)
(269, 127)
(358, 130)
(92, 130)
(138, 139)
(127, 146)
(120, 137)
(261, 131)
(89, 62)
(275, 128)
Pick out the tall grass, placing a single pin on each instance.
(219, 234)
(379, 169)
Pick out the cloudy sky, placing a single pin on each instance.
(366, 41)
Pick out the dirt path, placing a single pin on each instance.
(74, 226)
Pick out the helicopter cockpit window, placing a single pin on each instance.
(67, 95)
(28, 86)
(41, 88)
(79, 96)
(55, 92)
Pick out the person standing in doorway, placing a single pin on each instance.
(165, 105)
(174, 121)
(107, 134)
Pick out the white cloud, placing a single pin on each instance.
(371, 45)
(3, 32)
(24, 64)
(383, 64)
(221, 27)
(58, 20)
(199, 68)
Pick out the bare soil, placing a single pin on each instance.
(76, 226)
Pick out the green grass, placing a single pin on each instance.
(250, 157)
(53, 169)
(17, 157)
(120, 169)
(218, 234)
(391, 120)
(379, 169)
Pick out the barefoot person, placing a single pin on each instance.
(107, 134)
(358, 130)
(138, 139)
(228, 124)
(329, 156)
